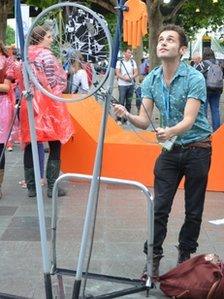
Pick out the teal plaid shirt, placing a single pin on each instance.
(187, 83)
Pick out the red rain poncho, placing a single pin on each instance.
(6, 99)
(52, 119)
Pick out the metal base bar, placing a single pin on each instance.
(9, 296)
(118, 279)
(118, 293)
(137, 284)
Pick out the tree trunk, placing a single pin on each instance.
(3, 18)
(138, 54)
(155, 23)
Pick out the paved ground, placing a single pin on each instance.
(120, 233)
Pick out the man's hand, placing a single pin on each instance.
(127, 78)
(163, 134)
(120, 111)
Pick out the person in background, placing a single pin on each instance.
(6, 104)
(17, 88)
(214, 93)
(80, 82)
(179, 92)
(126, 72)
(143, 68)
(197, 62)
(52, 120)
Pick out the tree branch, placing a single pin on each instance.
(177, 7)
(108, 5)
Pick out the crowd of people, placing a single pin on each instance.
(182, 94)
(52, 120)
(129, 75)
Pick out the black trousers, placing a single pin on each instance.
(2, 162)
(54, 154)
(170, 168)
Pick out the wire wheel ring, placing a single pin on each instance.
(81, 40)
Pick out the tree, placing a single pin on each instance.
(6, 8)
(183, 13)
(10, 36)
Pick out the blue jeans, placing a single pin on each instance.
(170, 168)
(213, 99)
(125, 95)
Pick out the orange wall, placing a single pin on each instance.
(127, 155)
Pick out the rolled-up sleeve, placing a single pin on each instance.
(197, 87)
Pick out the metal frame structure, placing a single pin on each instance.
(136, 285)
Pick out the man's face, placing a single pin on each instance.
(196, 59)
(127, 54)
(168, 46)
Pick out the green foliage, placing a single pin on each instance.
(10, 36)
(211, 14)
(41, 3)
(111, 21)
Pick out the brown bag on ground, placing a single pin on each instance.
(201, 277)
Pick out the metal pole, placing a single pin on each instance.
(94, 187)
(40, 205)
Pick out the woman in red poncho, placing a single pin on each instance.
(52, 120)
(6, 103)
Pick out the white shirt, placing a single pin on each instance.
(126, 66)
(80, 82)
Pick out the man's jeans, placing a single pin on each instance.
(213, 99)
(125, 96)
(170, 167)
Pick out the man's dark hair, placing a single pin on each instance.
(208, 54)
(179, 30)
(127, 48)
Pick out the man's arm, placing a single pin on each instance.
(142, 120)
(5, 86)
(190, 113)
(118, 73)
(135, 73)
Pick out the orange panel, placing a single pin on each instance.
(216, 174)
(127, 155)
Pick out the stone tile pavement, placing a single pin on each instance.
(120, 233)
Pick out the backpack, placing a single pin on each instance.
(201, 277)
(214, 76)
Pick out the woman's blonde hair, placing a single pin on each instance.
(38, 34)
(3, 49)
(77, 59)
